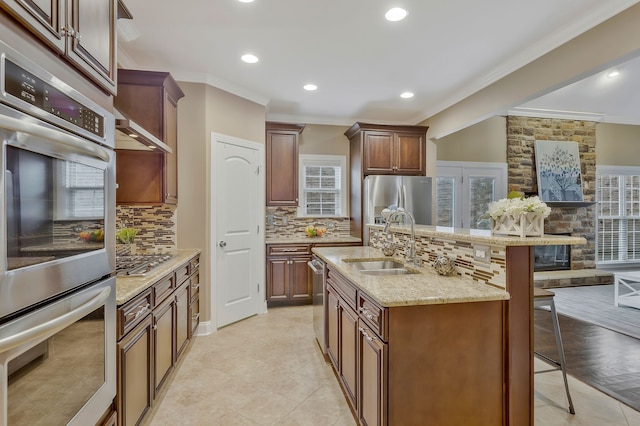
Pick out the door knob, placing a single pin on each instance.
(222, 243)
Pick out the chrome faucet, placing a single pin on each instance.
(395, 217)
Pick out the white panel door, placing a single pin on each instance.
(238, 244)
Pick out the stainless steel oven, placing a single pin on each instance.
(57, 249)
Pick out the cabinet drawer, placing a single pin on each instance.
(278, 250)
(163, 289)
(374, 315)
(343, 287)
(182, 273)
(194, 265)
(132, 312)
(194, 286)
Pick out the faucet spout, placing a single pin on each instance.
(395, 217)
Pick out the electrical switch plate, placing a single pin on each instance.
(482, 253)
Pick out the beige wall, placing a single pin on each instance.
(203, 110)
(617, 145)
(482, 142)
(325, 140)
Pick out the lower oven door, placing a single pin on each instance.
(58, 363)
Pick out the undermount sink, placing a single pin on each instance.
(380, 267)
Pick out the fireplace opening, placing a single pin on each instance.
(552, 258)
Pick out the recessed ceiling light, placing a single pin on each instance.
(249, 58)
(406, 95)
(245, 1)
(310, 87)
(613, 73)
(395, 14)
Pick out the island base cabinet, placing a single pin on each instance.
(372, 383)
(163, 337)
(349, 352)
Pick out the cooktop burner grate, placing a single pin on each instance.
(139, 265)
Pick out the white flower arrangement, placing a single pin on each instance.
(516, 205)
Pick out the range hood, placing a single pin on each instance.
(130, 135)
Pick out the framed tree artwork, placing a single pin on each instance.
(558, 171)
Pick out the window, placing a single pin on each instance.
(322, 185)
(618, 214)
(464, 191)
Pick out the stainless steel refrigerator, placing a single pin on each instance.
(413, 193)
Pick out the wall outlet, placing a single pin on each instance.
(482, 253)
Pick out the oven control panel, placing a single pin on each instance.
(25, 86)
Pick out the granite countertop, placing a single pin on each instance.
(129, 287)
(484, 236)
(302, 238)
(423, 288)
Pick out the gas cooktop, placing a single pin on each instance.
(140, 264)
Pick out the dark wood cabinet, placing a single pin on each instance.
(135, 379)
(399, 365)
(289, 279)
(382, 150)
(282, 142)
(84, 33)
(153, 331)
(150, 98)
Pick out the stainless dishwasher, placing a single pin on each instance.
(319, 270)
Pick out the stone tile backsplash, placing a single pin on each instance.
(156, 225)
(287, 223)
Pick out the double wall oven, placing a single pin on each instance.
(57, 249)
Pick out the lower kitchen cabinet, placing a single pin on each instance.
(439, 364)
(289, 279)
(164, 329)
(154, 329)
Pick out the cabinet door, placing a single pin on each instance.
(300, 279)
(92, 40)
(282, 168)
(139, 177)
(409, 154)
(333, 327)
(372, 383)
(45, 18)
(163, 339)
(194, 314)
(183, 320)
(135, 382)
(349, 351)
(377, 153)
(277, 278)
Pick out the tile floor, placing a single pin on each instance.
(267, 370)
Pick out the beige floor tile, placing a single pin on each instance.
(268, 370)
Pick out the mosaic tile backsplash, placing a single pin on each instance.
(461, 252)
(157, 227)
(286, 222)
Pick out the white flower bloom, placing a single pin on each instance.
(517, 206)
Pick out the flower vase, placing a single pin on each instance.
(526, 224)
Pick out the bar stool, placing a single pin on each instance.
(542, 299)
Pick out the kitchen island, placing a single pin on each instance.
(448, 350)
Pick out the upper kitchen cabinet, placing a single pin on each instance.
(83, 32)
(384, 150)
(151, 99)
(282, 142)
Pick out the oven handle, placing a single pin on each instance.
(80, 145)
(51, 327)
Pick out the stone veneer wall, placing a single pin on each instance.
(337, 226)
(157, 227)
(522, 132)
(461, 252)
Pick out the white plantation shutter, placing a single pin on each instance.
(322, 185)
(618, 214)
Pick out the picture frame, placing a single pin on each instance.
(558, 171)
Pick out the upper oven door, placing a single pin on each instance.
(57, 211)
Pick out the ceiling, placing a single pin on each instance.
(443, 51)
